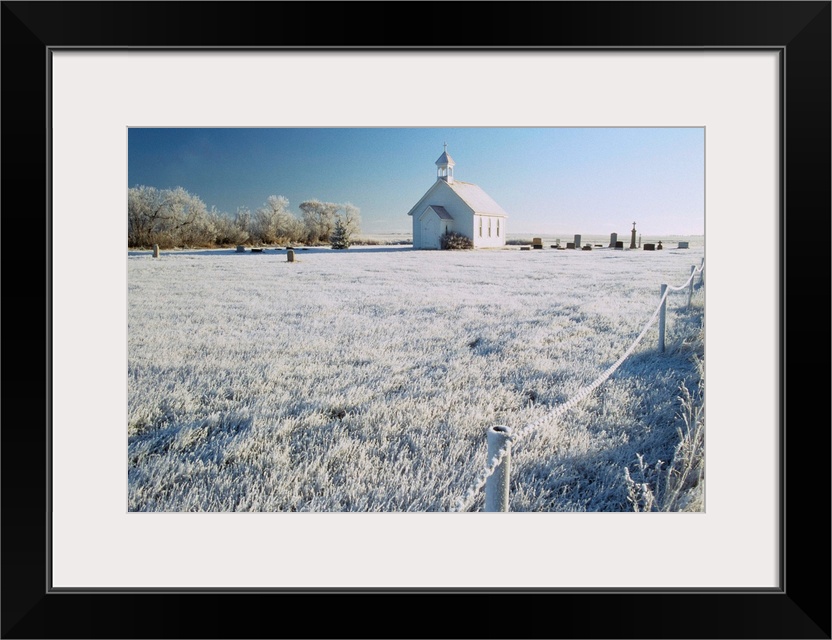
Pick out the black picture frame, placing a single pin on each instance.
(800, 608)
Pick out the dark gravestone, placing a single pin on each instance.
(586, 247)
(649, 246)
(525, 248)
(619, 244)
(570, 245)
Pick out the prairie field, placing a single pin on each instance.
(366, 379)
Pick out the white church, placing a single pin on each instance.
(456, 207)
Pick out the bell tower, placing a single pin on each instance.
(445, 167)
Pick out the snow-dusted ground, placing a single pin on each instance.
(365, 380)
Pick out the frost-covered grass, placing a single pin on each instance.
(365, 380)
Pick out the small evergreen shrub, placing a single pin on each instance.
(340, 237)
(453, 240)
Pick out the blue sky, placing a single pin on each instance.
(548, 180)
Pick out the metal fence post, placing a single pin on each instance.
(690, 288)
(496, 486)
(662, 314)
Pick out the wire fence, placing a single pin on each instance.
(512, 438)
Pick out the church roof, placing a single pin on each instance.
(471, 194)
(476, 198)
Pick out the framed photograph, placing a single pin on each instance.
(88, 554)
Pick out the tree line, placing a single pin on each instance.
(177, 218)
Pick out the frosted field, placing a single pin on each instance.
(365, 380)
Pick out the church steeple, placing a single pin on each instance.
(445, 167)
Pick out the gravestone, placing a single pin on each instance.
(683, 245)
(586, 247)
(241, 248)
(155, 250)
(619, 245)
(577, 240)
(613, 240)
(525, 248)
(570, 245)
(537, 243)
(649, 246)
(659, 246)
(290, 255)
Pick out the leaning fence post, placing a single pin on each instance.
(662, 314)
(690, 287)
(496, 486)
(702, 273)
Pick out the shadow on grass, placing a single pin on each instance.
(266, 251)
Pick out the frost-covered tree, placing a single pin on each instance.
(167, 217)
(242, 220)
(273, 222)
(352, 218)
(226, 228)
(318, 219)
(340, 238)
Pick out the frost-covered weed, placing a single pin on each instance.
(366, 380)
(677, 485)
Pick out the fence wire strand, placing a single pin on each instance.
(464, 503)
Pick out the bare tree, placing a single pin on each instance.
(318, 219)
(273, 222)
(166, 217)
(242, 220)
(226, 228)
(352, 218)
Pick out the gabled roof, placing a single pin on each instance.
(472, 195)
(476, 198)
(442, 212)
